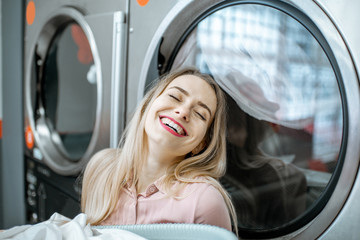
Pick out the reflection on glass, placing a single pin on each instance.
(69, 91)
(285, 118)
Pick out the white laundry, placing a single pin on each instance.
(59, 227)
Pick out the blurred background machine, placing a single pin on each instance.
(73, 96)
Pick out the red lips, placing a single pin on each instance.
(169, 129)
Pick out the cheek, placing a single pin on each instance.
(154, 108)
(150, 117)
(202, 133)
(159, 104)
(148, 125)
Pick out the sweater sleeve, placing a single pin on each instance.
(211, 209)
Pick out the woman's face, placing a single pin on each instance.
(178, 119)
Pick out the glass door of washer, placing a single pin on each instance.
(287, 118)
(68, 92)
(64, 93)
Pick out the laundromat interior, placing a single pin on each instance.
(74, 71)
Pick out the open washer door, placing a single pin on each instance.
(73, 88)
(293, 98)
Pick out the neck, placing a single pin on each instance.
(155, 166)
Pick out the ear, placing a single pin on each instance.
(199, 148)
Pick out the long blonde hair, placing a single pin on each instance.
(109, 170)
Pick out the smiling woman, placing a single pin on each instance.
(184, 107)
(170, 158)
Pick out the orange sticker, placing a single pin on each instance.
(84, 53)
(142, 2)
(29, 138)
(30, 12)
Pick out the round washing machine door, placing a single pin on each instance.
(62, 92)
(293, 98)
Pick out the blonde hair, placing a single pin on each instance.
(109, 170)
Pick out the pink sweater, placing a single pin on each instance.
(200, 203)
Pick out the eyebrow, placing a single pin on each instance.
(187, 94)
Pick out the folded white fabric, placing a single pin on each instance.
(59, 227)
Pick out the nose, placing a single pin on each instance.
(183, 112)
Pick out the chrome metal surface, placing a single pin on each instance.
(345, 16)
(118, 80)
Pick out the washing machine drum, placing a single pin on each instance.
(67, 99)
(287, 117)
(62, 93)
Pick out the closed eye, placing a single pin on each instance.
(201, 116)
(172, 96)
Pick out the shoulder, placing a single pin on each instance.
(209, 192)
(204, 189)
(211, 207)
(211, 198)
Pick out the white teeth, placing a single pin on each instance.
(170, 123)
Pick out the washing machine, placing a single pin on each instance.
(289, 70)
(74, 96)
